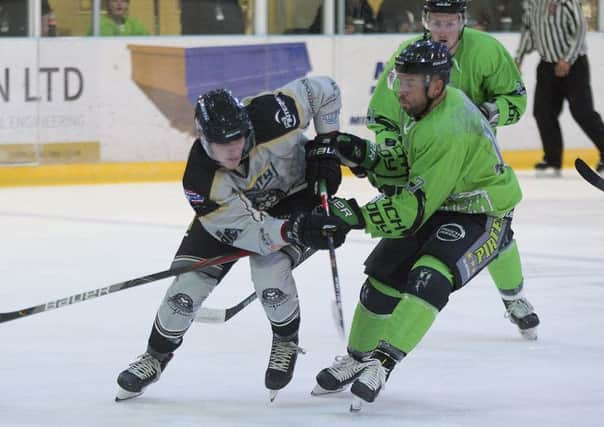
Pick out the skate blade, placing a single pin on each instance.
(122, 394)
(272, 394)
(548, 173)
(356, 404)
(320, 391)
(529, 334)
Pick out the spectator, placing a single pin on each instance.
(556, 29)
(211, 17)
(117, 22)
(49, 24)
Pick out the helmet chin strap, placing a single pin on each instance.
(425, 110)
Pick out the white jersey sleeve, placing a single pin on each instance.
(317, 98)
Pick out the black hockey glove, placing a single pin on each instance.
(322, 164)
(358, 154)
(311, 229)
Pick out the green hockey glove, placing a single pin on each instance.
(348, 211)
(356, 152)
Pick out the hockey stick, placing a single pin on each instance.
(337, 312)
(589, 174)
(220, 315)
(85, 296)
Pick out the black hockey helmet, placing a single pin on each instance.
(425, 57)
(445, 6)
(221, 118)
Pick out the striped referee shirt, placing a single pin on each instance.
(555, 28)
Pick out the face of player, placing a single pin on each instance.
(446, 28)
(412, 92)
(118, 8)
(229, 154)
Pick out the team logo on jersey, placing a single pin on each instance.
(263, 200)
(450, 232)
(283, 116)
(229, 235)
(194, 198)
(255, 214)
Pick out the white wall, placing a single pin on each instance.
(112, 109)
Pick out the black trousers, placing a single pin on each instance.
(550, 93)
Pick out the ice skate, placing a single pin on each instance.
(343, 371)
(522, 314)
(144, 371)
(547, 170)
(369, 384)
(281, 364)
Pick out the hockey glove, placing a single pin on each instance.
(491, 112)
(322, 164)
(311, 229)
(358, 154)
(348, 211)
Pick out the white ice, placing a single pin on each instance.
(472, 369)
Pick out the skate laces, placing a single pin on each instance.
(373, 375)
(519, 308)
(146, 366)
(345, 367)
(281, 353)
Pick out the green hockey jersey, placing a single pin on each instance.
(453, 164)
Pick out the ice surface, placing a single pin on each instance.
(472, 369)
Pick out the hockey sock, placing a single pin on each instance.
(506, 269)
(409, 323)
(370, 316)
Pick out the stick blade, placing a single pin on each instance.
(210, 315)
(589, 174)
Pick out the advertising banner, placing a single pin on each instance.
(82, 100)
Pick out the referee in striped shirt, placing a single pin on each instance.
(556, 29)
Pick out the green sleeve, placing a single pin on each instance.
(503, 83)
(436, 167)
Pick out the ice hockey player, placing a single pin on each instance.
(251, 178)
(445, 219)
(485, 71)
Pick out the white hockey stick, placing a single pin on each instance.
(220, 315)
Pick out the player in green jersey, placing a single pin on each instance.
(440, 226)
(484, 70)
